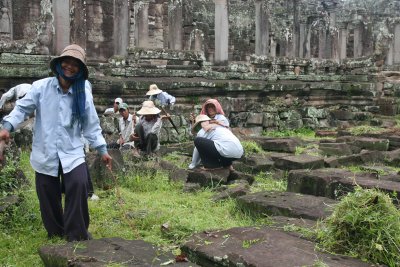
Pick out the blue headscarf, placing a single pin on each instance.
(78, 93)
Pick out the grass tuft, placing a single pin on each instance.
(365, 224)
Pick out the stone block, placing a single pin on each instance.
(303, 161)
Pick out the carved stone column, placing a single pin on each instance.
(396, 44)
(302, 39)
(175, 18)
(389, 56)
(221, 31)
(61, 25)
(322, 43)
(308, 42)
(295, 49)
(121, 27)
(273, 46)
(6, 20)
(342, 41)
(142, 23)
(79, 27)
(262, 29)
(358, 46)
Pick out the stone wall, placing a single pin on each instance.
(273, 64)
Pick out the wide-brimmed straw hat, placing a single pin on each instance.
(199, 119)
(74, 51)
(148, 108)
(153, 90)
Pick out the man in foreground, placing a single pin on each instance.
(64, 112)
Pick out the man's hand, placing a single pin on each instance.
(107, 160)
(192, 118)
(134, 137)
(134, 117)
(4, 138)
(166, 116)
(121, 140)
(5, 135)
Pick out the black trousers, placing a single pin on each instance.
(73, 221)
(209, 155)
(90, 183)
(146, 144)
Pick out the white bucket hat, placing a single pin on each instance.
(148, 108)
(200, 118)
(118, 100)
(74, 51)
(153, 90)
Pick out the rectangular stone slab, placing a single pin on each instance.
(261, 247)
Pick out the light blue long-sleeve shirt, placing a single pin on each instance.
(164, 98)
(54, 139)
(226, 143)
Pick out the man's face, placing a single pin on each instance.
(149, 117)
(116, 104)
(124, 113)
(70, 66)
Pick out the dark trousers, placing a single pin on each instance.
(146, 144)
(73, 222)
(209, 155)
(90, 183)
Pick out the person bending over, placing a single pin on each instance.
(215, 145)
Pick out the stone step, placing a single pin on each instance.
(254, 164)
(217, 177)
(107, 251)
(335, 149)
(278, 144)
(369, 143)
(333, 183)
(261, 247)
(356, 159)
(287, 204)
(302, 161)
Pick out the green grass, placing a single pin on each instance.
(21, 228)
(176, 159)
(365, 224)
(366, 129)
(305, 133)
(265, 182)
(147, 201)
(251, 147)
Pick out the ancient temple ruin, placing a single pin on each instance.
(274, 64)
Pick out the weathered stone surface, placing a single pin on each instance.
(325, 133)
(233, 191)
(303, 161)
(335, 149)
(101, 176)
(254, 164)
(362, 158)
(261, 247)
(278, 144)
(208, 178)
(235, 175)
(372, 143)
(392, 157)
(8, 201)
(287, 204)
(106, 251)
(178, 175)
(333, 183)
